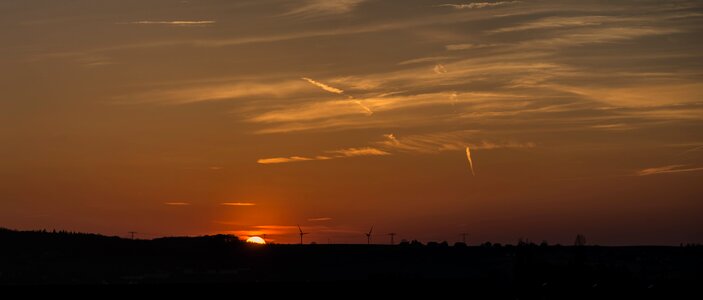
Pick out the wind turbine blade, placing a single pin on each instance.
(301, 231)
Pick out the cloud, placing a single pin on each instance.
(177, 203)
(365, 151)
(176, 23)
(201, 92)
(467, 46)
(479, 5)
(667, 170)
(471, 162)
(428, 143)
(424, 59)
(439, 69)
(559, 22)
(334, 154)
(319, 219)
(238, 204)
(613, 127)
(446, 141)
(364, 107)
(324, 86)
(340, 92)
(313, 8)
(597, 36)
(280, 160)
(392, 139)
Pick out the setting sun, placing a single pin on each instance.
(256, 240)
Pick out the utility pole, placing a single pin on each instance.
(392, 234)
(132, 233)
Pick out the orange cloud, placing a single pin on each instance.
(238, 204)
(667, 170)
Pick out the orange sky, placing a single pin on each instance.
(249, 117)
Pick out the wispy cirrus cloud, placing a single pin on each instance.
(202, 92)
(280, 160)
(333, 154)
(668, 170)
(177, 203)
(365, 151)
(445, 141)
(479, 5)
(323, 219)
(425, 143)
(334, 90)
(467, 46)
(439, 69)
(324, 86)
(315, 8)
(176, 22)
(559, 22)
(597, 36)
(424, 60)
(238, 204)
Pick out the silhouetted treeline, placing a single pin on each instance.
(39, 257)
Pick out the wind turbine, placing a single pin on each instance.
(301, 234)
(392, 234)
(368, 236)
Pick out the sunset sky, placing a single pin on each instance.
(502, 120)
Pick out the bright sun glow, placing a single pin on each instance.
(256, 240)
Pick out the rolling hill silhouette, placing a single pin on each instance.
(40, 257)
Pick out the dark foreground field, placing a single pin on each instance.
(61, 258)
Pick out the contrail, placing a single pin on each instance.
(324, 86)
(335, 90)
(178, 23)
(471, 163)
(364, 107)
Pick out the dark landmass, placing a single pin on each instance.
(37, 257)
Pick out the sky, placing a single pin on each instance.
(429, 119)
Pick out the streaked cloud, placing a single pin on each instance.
(467, 46)
(446, 141)
(617, 126)
(471, 162)
(559, 22)
(597, 36)
(201, 92)
(668, 169)
(323, 219)
(439, 69)
(313, 8)
(424, 60)
(340, 92)
(479, 5)
(333, 154)
(324, 86)
(280, 160)
(238, 204)
(365, 151)
(391, 138)
(177, 203)
(176, 22)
